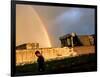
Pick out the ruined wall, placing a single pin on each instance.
(84, 50)
(28, 56)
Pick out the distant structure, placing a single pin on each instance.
(32, 45)
(28, 46)
(92, 39)
(70, 40)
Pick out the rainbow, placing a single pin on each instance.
(31, 17)
(43, 27)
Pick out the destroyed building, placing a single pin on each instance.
(70, 40)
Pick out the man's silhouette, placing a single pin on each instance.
(40, 61)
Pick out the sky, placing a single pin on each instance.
(45, 24)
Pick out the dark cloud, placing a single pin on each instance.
(63, 20)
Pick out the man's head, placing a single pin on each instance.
(37, 53)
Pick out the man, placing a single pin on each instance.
(40, 61)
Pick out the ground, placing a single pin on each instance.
(83, 63)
